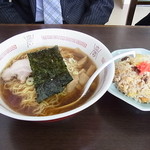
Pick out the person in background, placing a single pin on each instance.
(144, 21)
(71, 11)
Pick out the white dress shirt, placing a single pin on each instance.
(39, 11)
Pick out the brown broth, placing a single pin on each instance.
(13, 101)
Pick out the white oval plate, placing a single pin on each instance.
(114, 91)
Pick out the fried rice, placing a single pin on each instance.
(131, 80)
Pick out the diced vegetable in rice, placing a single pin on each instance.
(132, 77)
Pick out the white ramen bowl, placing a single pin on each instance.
(96, 50)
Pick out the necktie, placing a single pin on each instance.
(52, 12)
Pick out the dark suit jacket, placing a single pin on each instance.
(73, 11)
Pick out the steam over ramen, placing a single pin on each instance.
(18, 89)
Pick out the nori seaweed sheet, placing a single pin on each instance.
(49, 72)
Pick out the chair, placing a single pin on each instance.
(132, 8)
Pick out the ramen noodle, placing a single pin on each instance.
(21, 96)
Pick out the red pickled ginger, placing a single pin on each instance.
(143, 67)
